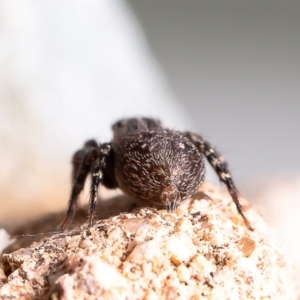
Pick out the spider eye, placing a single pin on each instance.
(159, 177)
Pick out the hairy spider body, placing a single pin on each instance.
(161, 167)
(149, 163)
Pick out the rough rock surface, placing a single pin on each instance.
(203, 251)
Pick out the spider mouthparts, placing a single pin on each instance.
(170, 197)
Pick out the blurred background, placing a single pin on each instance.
(229, 70)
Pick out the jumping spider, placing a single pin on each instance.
(149, 163)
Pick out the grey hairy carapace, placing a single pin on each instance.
(149, 163)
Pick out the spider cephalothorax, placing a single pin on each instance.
(149, 163)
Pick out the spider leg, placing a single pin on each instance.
(81, 162)
(96, 178)
(221, 168)
(79, 156)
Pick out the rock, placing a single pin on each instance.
(203, 251)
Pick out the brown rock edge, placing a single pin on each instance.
(203, 251)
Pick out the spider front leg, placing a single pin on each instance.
(84, 161)
(221, 168)
(96, 178)
(81, 164)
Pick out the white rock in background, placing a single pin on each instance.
(68, 70)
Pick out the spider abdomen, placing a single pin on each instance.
(159, 167)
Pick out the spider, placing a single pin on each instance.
(149, 163)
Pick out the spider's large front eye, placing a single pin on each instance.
(159, 177)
